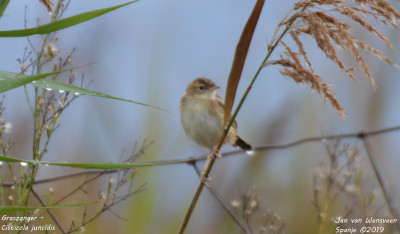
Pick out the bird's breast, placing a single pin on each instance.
(200, 124)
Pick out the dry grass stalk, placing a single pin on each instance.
(248, 207)
(292, 67)
(323, 21)
(333, 181)
(340, 189)
(48, 4)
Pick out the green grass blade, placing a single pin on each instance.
(3, 6)
(89, 165)
(10, 80)
(56, 85)
(62, 23)
(12, 209)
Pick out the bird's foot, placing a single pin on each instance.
(205, 180)
(216, 152)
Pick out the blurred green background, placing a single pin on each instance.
(148, 52)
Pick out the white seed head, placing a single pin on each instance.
(7, 127)
(350, 189)
(51, 50)
(347, 174)
(235, 203)
(254, 204)
(102, 196)
(320, 173)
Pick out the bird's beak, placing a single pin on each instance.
(214, 88)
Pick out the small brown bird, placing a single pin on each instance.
(202, 116)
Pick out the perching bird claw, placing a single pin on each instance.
(205, 180)
(216, 152)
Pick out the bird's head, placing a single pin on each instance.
(202, 87)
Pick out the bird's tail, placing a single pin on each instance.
(242, 144)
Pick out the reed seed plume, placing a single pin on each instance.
(48, 4)
(328, 23)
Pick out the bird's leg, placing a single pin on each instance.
(205, 180)
(216, 152)
(207, 163)
(211, 156)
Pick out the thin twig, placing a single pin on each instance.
(108, 206)
(381, 181)
(192, 160)
(223, 204)
(290, 144)
(78, 188)
(51, 213)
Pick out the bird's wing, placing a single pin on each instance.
(221, 103)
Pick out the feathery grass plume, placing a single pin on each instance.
(324, 21)
(47, 4)
(292, 67)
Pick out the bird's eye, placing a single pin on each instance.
(202, 88)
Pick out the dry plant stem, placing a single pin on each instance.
(223, 204)
(51, 213)
(36, 142)
(78, 188)
(382, 184)
(191, 160)
(228, 126)
(39, 123)
(106, 207)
